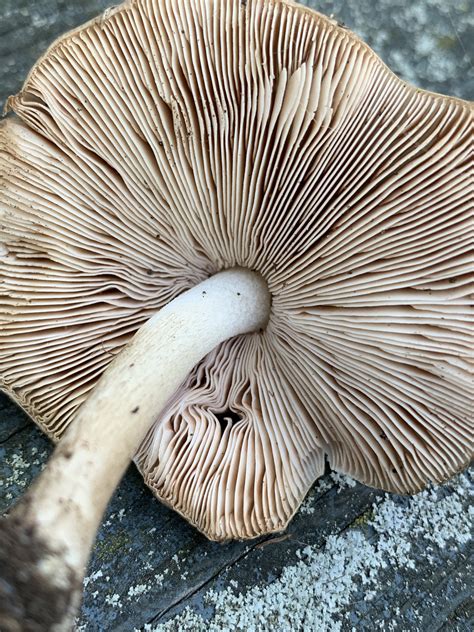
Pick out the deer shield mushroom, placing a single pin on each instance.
(289, 228)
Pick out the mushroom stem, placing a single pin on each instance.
(54, 525)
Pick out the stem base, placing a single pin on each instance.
(38, 591)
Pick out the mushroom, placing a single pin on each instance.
(201, 170)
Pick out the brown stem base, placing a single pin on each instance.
(32, 599)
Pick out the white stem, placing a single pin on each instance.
(68, 499)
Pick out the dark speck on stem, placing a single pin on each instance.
(136, 409)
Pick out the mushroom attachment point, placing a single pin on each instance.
(168, 144)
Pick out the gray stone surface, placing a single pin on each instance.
(148, 563)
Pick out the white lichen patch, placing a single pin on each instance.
(114, 601)
(17, 467)
(92, 578)
(316, 592)
(139, 589)
(342, 480)
(135, 592)
(115, 516)
(306, 508)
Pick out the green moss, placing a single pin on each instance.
(110, 546)
(363, 519)
(446, 42)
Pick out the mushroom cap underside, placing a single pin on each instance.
(169, 140)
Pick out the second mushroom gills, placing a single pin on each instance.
(62, 511)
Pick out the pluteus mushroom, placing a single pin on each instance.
(288, 228)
